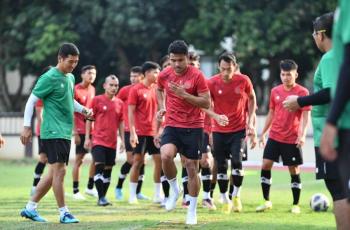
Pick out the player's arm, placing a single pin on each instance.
(2, 141)
(131, 115)
(294, 102)
(305, 117)
(251, 113)
(26, 134)
(221, 119)
(81, 109)
(267, 126)
(161, 107)
(122, 136)
(88, 125)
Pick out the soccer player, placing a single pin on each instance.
(186, 93)
(229, 92)
(40, 166)
(164, 61)
(206, 162)
(56, 89)
(108, 118)
(320, 107)
(84, 92)
(286, 136)
(123, 94)
(338, 122)
(142, 122)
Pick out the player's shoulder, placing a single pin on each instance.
(301, 88)
(327, 58)
(165, 72)
(214, 78)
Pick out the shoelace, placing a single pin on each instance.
(68, 215)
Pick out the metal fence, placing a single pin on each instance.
(11, 123)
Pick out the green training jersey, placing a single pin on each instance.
(56, 91)
(341, 36)
(322, 79)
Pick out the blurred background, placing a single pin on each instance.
(115, 35)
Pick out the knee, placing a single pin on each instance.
(43, 158)
(166, 157)
(205, 162)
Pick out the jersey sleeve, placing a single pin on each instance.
(43, 87)
(249, 86)
(132, 98)
(202, 86)
(161, 81)
(94, 107)
(121, 94)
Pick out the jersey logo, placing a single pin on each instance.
(62, 85)
(187, 85)
(220, 91)
(104, 107)
(145, 95)
(277, 97)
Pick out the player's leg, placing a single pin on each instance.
(79, 157)
(206, 164)
(107, 172)
(125, 169)
(168, 151)
(152, 150)
(184, 178)
(296, 187)
(139, 195)
(166, 188)
(90, 186)
(214, 179)
(39, 168)
(237, 172)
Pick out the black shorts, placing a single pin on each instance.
(104, 155)
(127, 145)
(40, 146)
(188, 141)
(57, 150)
(290, 153)
(205, 143)
(344, 159)
(146, 145)
(325, 169)
(244, 149)
(79, 149)
(229, 146)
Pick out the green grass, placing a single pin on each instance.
(16, 179)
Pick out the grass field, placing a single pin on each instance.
(16, 179)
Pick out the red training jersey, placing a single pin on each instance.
(123, 95)
(180, 113)
(145, 100)
(285, 124)
(108, 114)
(84, 96)
(230, 99)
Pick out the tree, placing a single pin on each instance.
(262, 30)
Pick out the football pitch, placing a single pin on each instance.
(16, 181)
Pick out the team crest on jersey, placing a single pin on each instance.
(62, 85)
(104, 107)
(84, 98)
(277, 98)
(220, 91)
(187, 85)
(145, 95)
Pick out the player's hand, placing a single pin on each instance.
(253, 140)
(211, 139)
(291, 103)
(222, 119)
(160, 114)
(262, 141)
(87, 143)
(26, 135)
(77, 139)
(327, 149)
(134, 140)
(121, 147)
(178, 89)
(2, 141)
(300, 141)
(156, 141)
(88, 113)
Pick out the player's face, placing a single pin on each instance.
(68, 64)
(135, 77)
(152, 75)
(288, 77)
(318, 40)
(166, 64)
(227, 69)
(89, 76)
(195, 63)
(178, 62)
(111, 87)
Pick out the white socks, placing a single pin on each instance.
(174, 185)
(31, 205)
(133, 187)
(63, 210)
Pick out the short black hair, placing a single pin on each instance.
(67, 49)
(149, 65)
(136, 69)
(228, 57)
(87, 67)
(288, 65)
(164, 59)
(112, 76)
(324, 22)
(193, 56)
(178, 47)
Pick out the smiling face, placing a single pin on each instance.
(68, 64)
